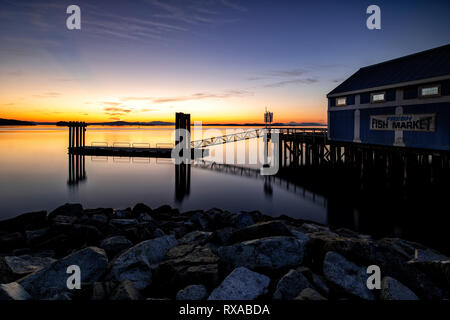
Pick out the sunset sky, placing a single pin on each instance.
(220, 60)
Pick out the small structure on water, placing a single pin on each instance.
(403, 102)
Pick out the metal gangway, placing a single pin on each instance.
(234, 137)
(256, 133)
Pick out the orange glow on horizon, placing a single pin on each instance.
(281, 115)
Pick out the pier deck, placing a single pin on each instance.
(129, 152)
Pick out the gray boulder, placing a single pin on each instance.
(392, 289)
(290, 285)
(319, 284)
(136, 263)
(121, 213)
(99, 220)
(241, 284)
(188, 264)
(346, 275)
(309, 294)
(53, 278)
(125, 291)
(221, 236)
(196, 237)
(121, 223)
(13, 291)
(268, 253)
(242, 220)
(10, 241)
(69, 209)
(26, 221)
(115, 245)
(102, 290)
(21, 266)
(260, 230)
(192, 292)
(35, 235)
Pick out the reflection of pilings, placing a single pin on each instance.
(269, 180)
(77, 169)
(182, 181)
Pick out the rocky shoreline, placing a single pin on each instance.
(141, 253)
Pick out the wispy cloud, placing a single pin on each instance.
(148, 110)
(205, 95)
(193, 12)
(234, 6)
(47, 95)
(281, 78)
(15, 73)
(112, 103)
(136, 99)
(284, 83)
(116, 111)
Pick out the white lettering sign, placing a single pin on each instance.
(404, 122)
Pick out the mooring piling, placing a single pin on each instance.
(77, 134)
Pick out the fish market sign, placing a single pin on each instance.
(404, 122)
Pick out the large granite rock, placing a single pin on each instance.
(139, 209)
(136, 263)
(266, 253)
(115, 245)
(195, 237)
(13, 291)
(192, 292)
(10, 241)
(391, 289)
(69, 209)
(125, 291)
(309, 294)
(188, 264)
(290, 285)
(390, 254)
(26, 221)
(242, 220)
(36, 235)
(260, 230)
(346, 275)
(241, 284)
(21, 266)
(52, 279)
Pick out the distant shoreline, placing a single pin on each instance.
(10, 122)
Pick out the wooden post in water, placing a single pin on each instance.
(72, 127)
(70, 136)
(183, 121)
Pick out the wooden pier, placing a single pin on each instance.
(77, 144)
(311, 148)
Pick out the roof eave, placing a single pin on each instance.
(390, 86)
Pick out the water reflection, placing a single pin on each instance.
(77, 169)
(182, 181)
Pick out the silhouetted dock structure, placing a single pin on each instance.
(311, 148)
(77, 144)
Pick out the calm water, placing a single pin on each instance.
(34, 175)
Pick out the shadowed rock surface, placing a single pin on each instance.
(142, 253)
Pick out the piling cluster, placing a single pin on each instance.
(77, 134)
